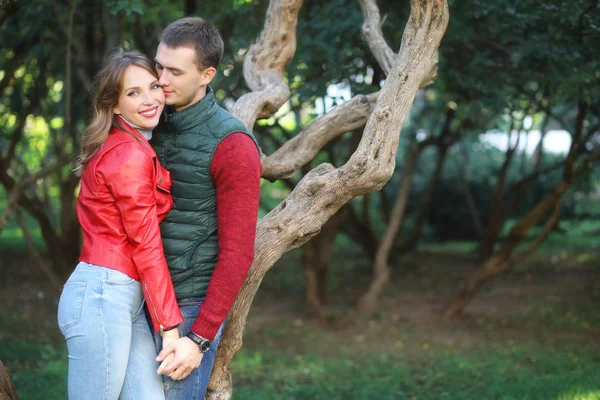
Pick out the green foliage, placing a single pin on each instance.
(128, 6)
(497, 51)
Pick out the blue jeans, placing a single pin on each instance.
(194, 386)
(111, 351)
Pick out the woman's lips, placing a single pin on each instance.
(149, 113)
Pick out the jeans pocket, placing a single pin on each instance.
(69, 306)
(117, 277)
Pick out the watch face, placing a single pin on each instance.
(204, 346)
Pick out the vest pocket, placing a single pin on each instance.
(188, 262)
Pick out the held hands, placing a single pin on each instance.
(178, 358)
(168, 337)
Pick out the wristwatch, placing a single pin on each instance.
(203, 344)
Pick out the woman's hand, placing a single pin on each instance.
(168, 337)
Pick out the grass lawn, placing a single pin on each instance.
(522, 371)
(533, 333)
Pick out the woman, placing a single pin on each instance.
(124, 195)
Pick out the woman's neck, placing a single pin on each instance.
(146, 132)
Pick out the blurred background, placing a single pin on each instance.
(491, 287)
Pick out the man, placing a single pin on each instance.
(209, 235)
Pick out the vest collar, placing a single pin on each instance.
(193, 115)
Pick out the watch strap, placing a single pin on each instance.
(203, 343)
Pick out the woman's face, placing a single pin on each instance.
(142, 99)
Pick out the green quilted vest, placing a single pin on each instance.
(185, 142)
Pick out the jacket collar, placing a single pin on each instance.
(193, 115)
(126, 134)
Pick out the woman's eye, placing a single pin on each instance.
(155, 86)
(131, 94)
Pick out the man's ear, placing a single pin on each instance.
(208, 75)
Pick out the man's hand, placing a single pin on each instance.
(187, 358)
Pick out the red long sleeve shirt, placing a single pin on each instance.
(236, 171)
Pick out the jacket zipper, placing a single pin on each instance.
(163, 189)
(161, 326)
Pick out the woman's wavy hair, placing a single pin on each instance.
(108, 84)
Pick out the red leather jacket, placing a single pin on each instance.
(123, 197)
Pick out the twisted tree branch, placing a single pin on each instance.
(325, 189)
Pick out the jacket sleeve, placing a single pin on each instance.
(131, 180)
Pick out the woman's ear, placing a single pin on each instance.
(116, 110)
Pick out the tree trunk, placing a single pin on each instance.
(381, 270)
(7, 389)
(426, 203)
(503, 260)
(190, 7)
(361, 233)
(471, 203)
(316, 254)
(69, 225)
(55, 280)
(496, 217)
(110, 29)
(17, 198)
(325, 189)
(538, 153)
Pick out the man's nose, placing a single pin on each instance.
(162, 78)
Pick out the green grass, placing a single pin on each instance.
(542, 375)
(38, 371)
(510, 373)
(523, 371)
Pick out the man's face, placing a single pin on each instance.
(179, 77)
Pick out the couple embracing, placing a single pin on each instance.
(168, 207)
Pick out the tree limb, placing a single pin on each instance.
(384, 55)
(325, 189)
(18, 188)
(539, 240)
(303, 147)
(41, 263)
(265, 62)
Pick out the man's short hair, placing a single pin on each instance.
(198, 34)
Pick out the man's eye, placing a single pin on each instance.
(176, 73)
(158, 67)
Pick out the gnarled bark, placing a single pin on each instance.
(7, 389)
(301, 149)
(325, 189)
